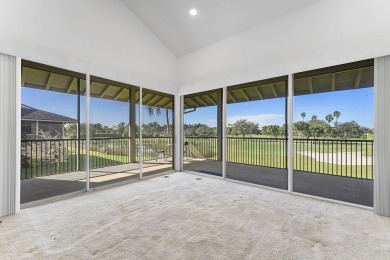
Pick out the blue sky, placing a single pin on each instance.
(106, 112)
(355, 105)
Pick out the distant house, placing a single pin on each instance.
(35, 121)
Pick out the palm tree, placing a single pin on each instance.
(328, 129)
(158, 112)
(314, 117)
(152, 109)
(329, 118)
(303, 115)
(336, 114)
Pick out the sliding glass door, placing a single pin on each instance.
(54, 141)
(52, 157)
(112, 156)
(333, 132)
(203, 132)
(256, 134)
(157, 132)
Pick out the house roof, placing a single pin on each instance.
(33, 114)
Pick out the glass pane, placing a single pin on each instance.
(112, 158)
(51, 161)
(256, 133)
(333, 133)
(202, 132)
(157, 132)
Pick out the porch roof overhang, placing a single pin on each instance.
(337, 78)
(43, 77)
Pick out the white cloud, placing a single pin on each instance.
(262, 120)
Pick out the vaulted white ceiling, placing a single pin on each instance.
(216, 19)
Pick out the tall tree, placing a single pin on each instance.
(266, 130)
(303, 128)
(274, 130)
(244, 127)
(204, 131)
(351, 129)
(316, 130)
(329, 118)
(229, 129)
(70, 130)
(303, 115)
(314, 117)
(167, 121)
(151, 110)
(120, 129)
(336, 114)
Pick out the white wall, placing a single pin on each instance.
(100, 37)
(327, 33)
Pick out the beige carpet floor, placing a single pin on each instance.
(186, 216)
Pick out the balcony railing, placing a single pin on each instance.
(56, 156)
(349, 158)
(267, 152)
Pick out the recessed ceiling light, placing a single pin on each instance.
(193, 12)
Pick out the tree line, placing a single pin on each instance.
(329, 127)
(98, 130)
(152, 129)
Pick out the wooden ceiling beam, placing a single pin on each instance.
(166, 104)
(259, 92)
(105, 91)
(156, 97)
(274, 90)
(210, 99)
(24, 76)
(245, 94)
(358, 78)
(195, 102)
(69, 88)
(120, 93)
(230, 94)
(201, 100)
(311, 85)
(186, 105)
(145, 98)
(161, 99)
(333, 86)
(49, 81)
